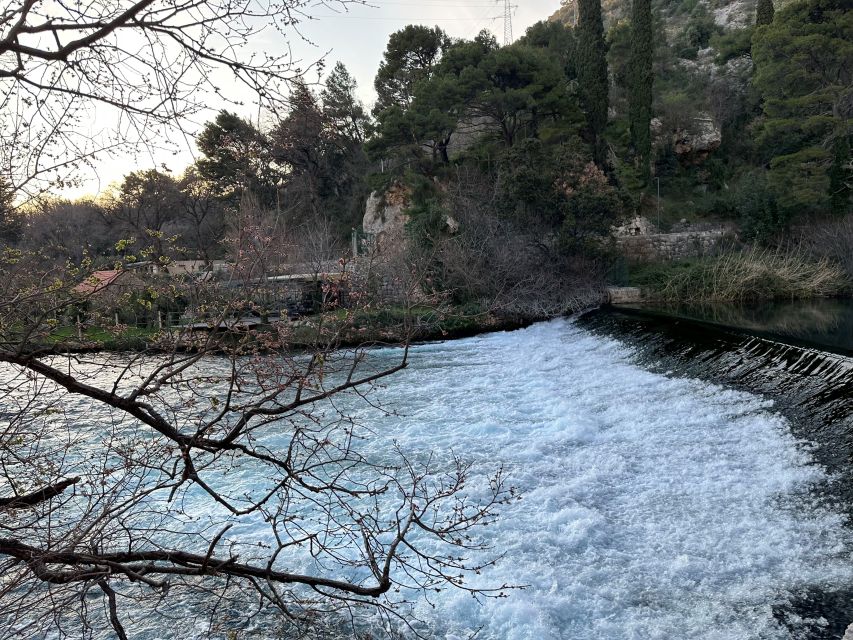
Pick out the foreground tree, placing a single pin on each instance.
(215, 489)
(64, 66)
(165, 484)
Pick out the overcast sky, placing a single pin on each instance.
(357, 37)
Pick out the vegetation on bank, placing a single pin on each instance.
(749, 274)
(515, 161)
(385, 325)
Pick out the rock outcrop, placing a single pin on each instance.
(695, 143)
(383, 213)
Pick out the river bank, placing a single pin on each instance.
(384, 326)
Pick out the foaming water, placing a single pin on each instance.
(654, 507)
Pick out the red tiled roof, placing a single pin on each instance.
(97, 281)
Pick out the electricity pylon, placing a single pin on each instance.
(507, 23)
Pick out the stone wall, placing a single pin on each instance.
(670, 246)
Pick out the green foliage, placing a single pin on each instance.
(803, 72)
(732, 44)
(753, 200)
(320, 145)
(518, 88)
(558, 187)
(764, 12)
(512, 90)
(697, 33)
(619, 59)
(237, 158)
(525, 178)
(425, 212)
(641, 77)
(841, 176)
(409, 57)
(342, 108)
(558, 40)
(592, 73)
(801, 180)
(590, 212)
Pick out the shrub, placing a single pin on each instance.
(752, 274)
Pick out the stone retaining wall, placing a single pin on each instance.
(669, 246)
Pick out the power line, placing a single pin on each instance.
(429, 5)
(397, 19)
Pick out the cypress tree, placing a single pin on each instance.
(640, 85)
(764, 12)
(592, 73)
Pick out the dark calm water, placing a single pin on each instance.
(822, 323)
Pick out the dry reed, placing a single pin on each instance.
(755, 274)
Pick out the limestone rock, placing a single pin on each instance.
(735, 15)
(383, 213)
(699, 140)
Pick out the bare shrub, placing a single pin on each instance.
(489, 260)
(832, 240)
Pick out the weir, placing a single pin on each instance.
(812, 386)
(809, 385)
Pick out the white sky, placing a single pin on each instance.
(357, 38)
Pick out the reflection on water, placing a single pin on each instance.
(826, 323)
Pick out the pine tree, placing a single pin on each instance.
(764, 12)
(592, 72)
(640, 78)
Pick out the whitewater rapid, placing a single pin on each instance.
(654, 506)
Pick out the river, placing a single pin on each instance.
(656, 503)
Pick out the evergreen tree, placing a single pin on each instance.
(236, 159)
(409, 57)
(640, 78)
(592, 72)
(764, 12)
(840, 176)
(10, 223)
(342, 107)
(803, 74)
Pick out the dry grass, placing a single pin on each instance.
(753, 274)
